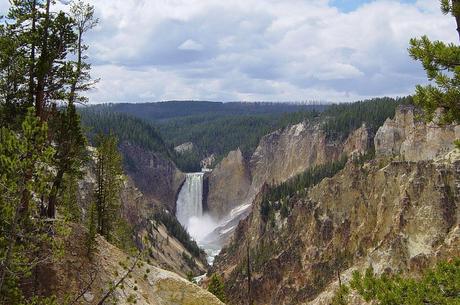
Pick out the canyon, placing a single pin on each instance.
(397, 212)
(399, 178)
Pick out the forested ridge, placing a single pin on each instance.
(219, 128)
(342, 119)
(164, 111)
(125, 127)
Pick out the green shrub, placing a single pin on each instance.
(217, 288)
(439, 285)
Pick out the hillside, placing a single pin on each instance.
(79, 280)
(166, 243)
(397, 212)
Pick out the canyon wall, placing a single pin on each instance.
(279, 156)
(398, 214)
(155, 175)
(228, 184)
(412, 139)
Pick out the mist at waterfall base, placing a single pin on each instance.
(200, 226)
(189, 212)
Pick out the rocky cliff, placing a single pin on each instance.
(155, 175)
(228, 184)
(409, 138)
(279, 156)
(397, 216)
(285, 153)
(359, 141)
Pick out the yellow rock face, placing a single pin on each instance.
(149, 285)
(74, 274)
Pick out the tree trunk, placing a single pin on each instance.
(32, 56)
(25, 196)
(120, 281)
(73, 88)
(43, 68)
(456, 13)
(51, 209)
(100, 190)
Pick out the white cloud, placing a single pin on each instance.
(258, 49)
(4, 5)
(191, 45)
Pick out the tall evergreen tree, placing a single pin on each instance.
(41, 141)
(38, 68)
(109, 181)
(20, 230)
(442, 64)
(70, 151)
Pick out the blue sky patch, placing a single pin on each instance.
(351, 5)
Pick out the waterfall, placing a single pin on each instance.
(189, 212)
(189, 204)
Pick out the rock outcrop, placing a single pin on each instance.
(411, 139)
(279, 156)
(228, 184)
(286, 153)
(156, 176)
(184, 147)
(208, 162)
(74, 274)
(399, 216)
(358, 142)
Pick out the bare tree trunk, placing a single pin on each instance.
(456, 13)
(51, 209)
(73, 88)
(92, 278)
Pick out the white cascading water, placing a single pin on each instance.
(190, 201)
(189, 212)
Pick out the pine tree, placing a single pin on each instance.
(21, 230)
(37, 68)
(216, 287)
(70, 151)
(109, 181)
(84, 20)
(438, 285)
(69, 198)
(441, 62)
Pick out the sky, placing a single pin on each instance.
(258, 50)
